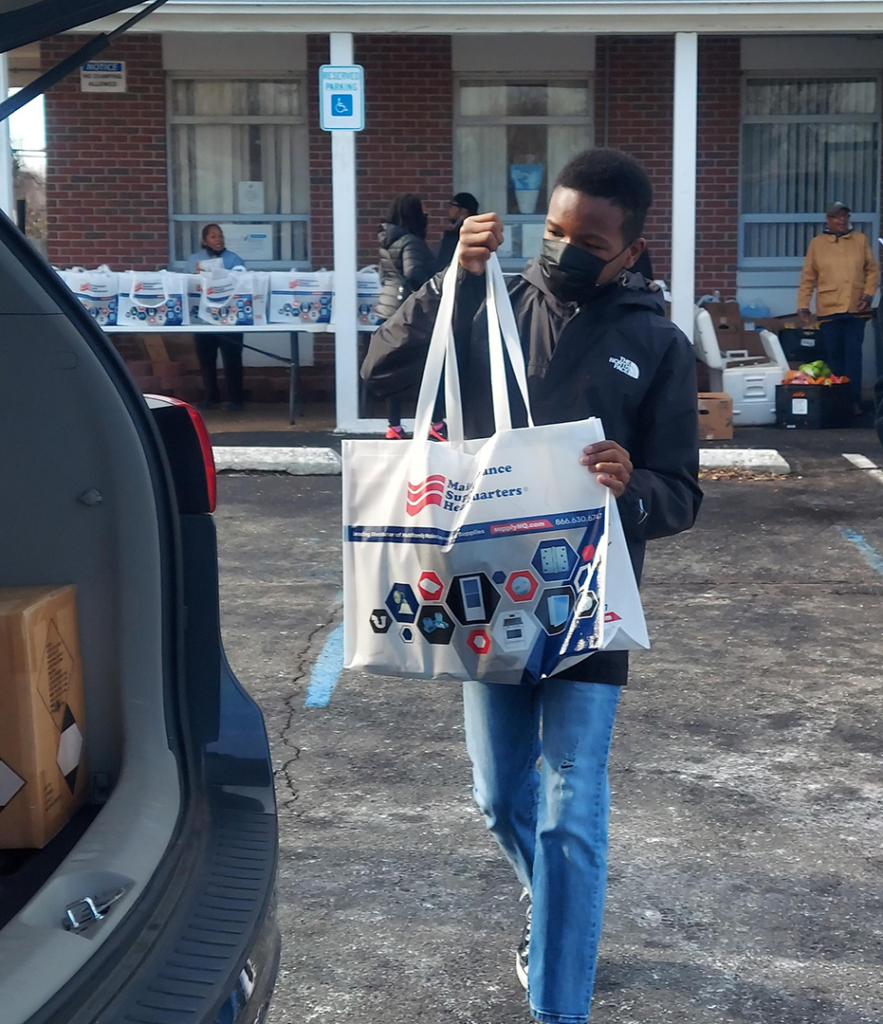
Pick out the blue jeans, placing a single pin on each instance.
(551, 824)
(843, 336)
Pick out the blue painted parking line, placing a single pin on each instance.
(326, 671)
(870, 554)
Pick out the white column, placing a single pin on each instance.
(343, 182)
(7, 203)
(683, 204)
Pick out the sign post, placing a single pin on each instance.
(342, 112)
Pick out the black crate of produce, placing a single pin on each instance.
(812, 406)
(801, 344)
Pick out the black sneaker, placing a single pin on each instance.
(523, 946)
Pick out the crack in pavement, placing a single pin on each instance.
(304, 661)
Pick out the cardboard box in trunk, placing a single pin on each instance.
(715, 416)
(42, 754)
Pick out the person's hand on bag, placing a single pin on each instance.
(612, 464)
(805, 317)
(479, 237)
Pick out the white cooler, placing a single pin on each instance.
(750, 378)
(753, 390)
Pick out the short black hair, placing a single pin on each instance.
(208, 228)
(615, 176)
(406, 211)
(465, 201)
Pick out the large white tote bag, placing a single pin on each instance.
(500, 559)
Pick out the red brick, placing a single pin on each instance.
(101, 152)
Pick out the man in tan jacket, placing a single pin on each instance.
(841, 269)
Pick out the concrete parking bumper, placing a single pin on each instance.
(326, 461)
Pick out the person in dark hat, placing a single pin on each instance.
(461, 206)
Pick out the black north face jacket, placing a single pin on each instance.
(615, 357)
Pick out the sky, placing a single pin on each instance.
(27, 129)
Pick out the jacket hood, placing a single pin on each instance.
(628, 290)
(388, 234)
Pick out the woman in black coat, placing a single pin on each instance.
(406, 264)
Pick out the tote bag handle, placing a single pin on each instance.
(442, 356)
(161, 296)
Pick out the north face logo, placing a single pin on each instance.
(430, 491)
(625, 366)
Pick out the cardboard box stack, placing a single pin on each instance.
(733, 334)
(42, 750)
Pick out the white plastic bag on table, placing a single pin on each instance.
(490, 559)
(97, 292)
(298, 297)
(261, 292)
(227, 298)
(194, 284)
(194, 294)
(153, 299)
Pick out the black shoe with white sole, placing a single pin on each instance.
(523, 946)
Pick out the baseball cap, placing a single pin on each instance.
(466, 201)
(835, 208)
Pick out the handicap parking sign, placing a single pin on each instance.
(341, 97)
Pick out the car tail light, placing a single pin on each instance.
(205, 444)
(208, 457)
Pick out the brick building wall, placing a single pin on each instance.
(634, 111)
(634, 89)
(107, 190)
(717, 172)
(107, 173)
(407, 146)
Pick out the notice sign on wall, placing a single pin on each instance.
(103, 76)
(251, 197)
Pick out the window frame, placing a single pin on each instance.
(178, 262)
(459, 120)
(790, 263)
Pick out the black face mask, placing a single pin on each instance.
(571, 273)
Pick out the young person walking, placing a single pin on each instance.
(596, 343)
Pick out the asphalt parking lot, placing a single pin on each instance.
(746, 855)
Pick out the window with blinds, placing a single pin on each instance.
(512, 136)
(239, 156)
(806, 143)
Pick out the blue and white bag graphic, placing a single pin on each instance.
(368, 292)
(157, 299)
(97, 292)
(227, 298)
(194, 294)
(500, 559)
(299, 298)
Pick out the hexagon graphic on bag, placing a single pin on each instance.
(472, 598)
